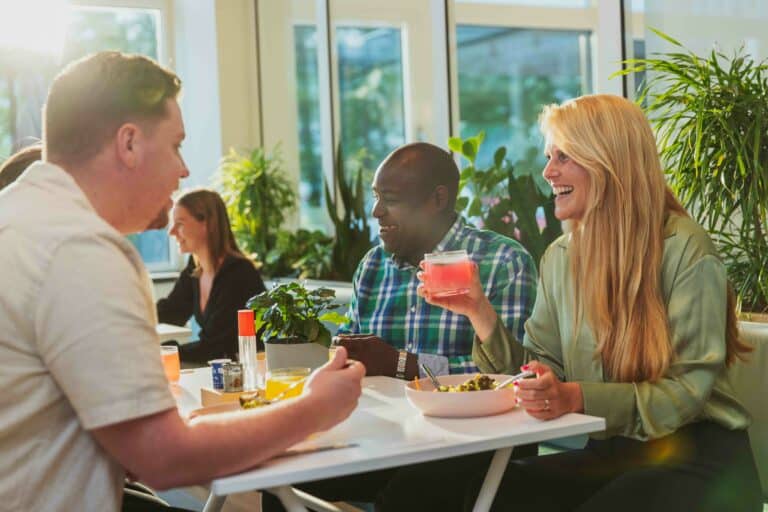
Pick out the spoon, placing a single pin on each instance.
(515, 378)
(431, 376)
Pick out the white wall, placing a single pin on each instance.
(196, 63)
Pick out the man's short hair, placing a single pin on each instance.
(430, 165)
(92, 97)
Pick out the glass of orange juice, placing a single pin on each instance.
(171, 363)
(280, 379)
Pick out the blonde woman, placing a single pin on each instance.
(633, 322)
(218, 280)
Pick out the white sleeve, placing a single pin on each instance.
(95, 332)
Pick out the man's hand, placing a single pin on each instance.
(378, 356)
(336, 385)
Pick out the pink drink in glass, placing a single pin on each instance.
(447, 273)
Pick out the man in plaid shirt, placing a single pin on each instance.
(415, 189)
(392, 328)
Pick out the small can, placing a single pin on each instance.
(233, 377)
(217, 372)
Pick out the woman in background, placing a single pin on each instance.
(218, 280)
(18, 162)
(634, 322)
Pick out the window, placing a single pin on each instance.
(371, 106)
(311, 195)
(506, 75)
(23, 87)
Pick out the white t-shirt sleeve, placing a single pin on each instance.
(95, 330)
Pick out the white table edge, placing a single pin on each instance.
(233, 484)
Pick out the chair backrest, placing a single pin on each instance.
(750, 382)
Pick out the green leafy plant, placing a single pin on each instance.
(258, 196)
(292, 314)
(711, 118)
(350, 220)
(303, 254)
(503, 200)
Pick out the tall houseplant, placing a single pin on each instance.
(711, 118)
(505, 201)
(258, 196)
(350, 220)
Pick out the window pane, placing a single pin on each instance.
(372, 118)
(506, 75)
(311, 196)
(95, 29)
(371, 91)
(128, 30)
(573, 4)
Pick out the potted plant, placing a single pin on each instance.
(290, 318)
(505, 201)
(258, 196)
(710, 114)
(350, 220)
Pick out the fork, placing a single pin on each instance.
(431, 376)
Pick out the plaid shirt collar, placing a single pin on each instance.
(451, 239)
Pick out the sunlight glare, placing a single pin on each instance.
(36, 26)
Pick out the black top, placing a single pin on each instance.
(236, 281)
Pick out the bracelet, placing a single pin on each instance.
(401, 359)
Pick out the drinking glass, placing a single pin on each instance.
(280, 379)
(171, 364)
(447, 273)
(261, 369)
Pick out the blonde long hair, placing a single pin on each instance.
(621, 233)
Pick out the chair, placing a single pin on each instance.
(750, 382)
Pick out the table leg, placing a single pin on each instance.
(290, 501)
(492, 480)
(214, 503)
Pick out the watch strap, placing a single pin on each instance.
(402, 357)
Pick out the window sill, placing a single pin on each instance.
(161, 277)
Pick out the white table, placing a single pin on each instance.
(389, 433)
(168, 332)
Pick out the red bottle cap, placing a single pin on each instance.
(245, 323)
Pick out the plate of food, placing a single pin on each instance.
(461, 396)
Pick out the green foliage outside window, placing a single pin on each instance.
(503, 200)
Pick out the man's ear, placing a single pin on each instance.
(441, 197)
(127, 141)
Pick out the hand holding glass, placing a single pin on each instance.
(447, 273)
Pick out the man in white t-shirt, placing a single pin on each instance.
(83, 396)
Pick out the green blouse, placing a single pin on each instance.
(695, 387)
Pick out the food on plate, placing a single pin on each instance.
(253, 400)
(479, 382)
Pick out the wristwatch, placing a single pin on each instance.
(401, 359)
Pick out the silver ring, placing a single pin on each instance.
(546, 404)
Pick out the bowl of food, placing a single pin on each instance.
(461, 396)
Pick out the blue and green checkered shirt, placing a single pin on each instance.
(385, 301)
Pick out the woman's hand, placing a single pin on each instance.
(545, 397)
(474, 304)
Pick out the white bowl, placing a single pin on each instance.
(464, 404)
